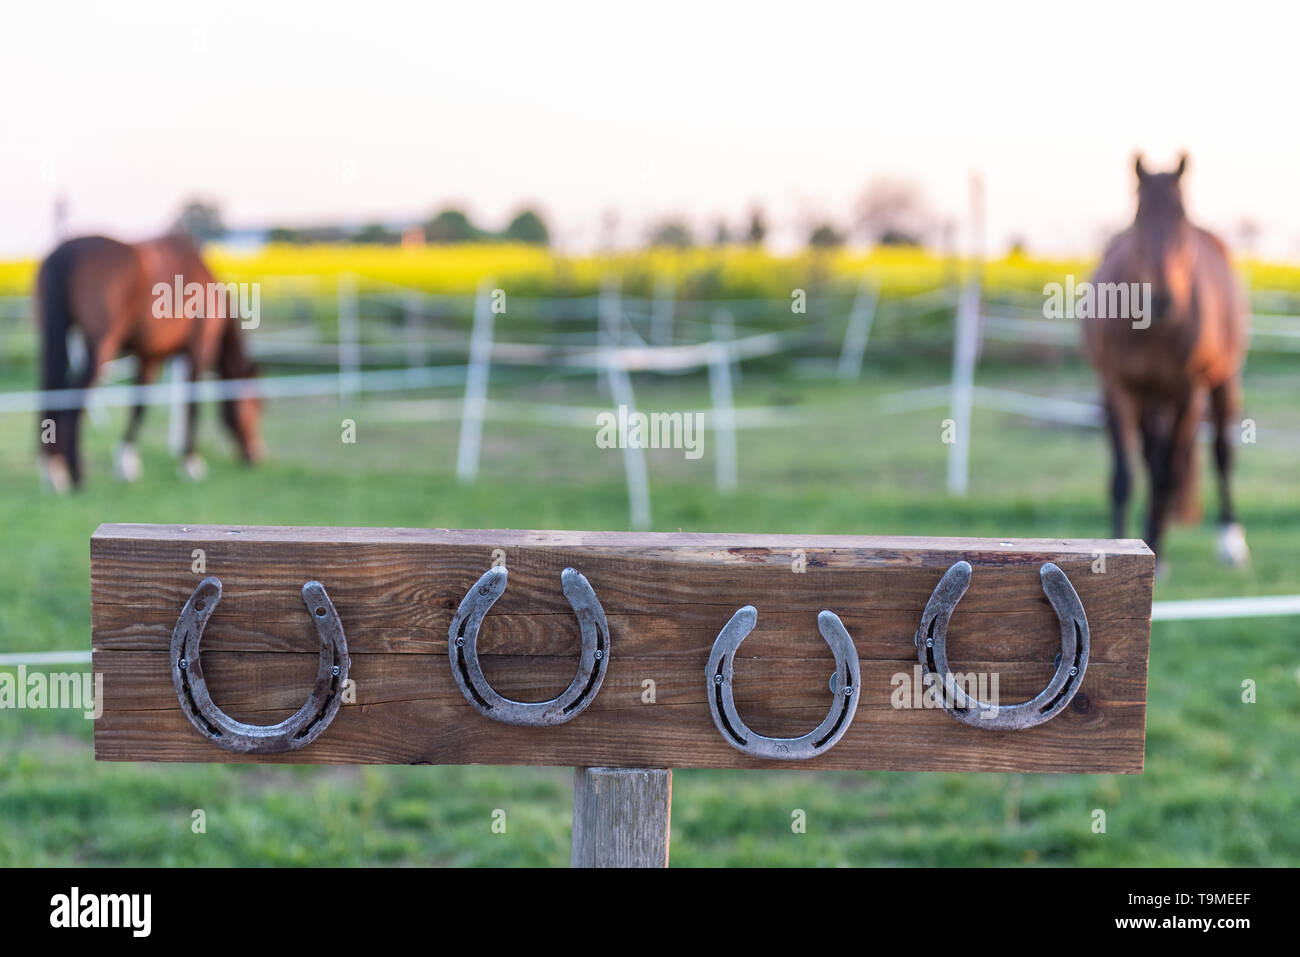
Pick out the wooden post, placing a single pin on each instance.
(621, 817)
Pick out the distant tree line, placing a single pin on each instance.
(675, 232)
(890, 212)
(451, 225)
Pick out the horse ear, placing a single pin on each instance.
(1182, 165)
(1141, 170)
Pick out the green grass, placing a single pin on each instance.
(1221, 775)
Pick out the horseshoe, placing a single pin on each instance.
(295, 732)
(1071, 663)
(845, 686)
(462, 649)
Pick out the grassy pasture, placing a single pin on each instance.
(1222, 776)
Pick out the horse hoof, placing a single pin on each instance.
(1233, 549)
(194, 468)
(127, 463)
(55, 475)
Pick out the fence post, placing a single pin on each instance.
(621, 817)
(724, 330)
(724, 417)
(410, 320)
(661, 316)
(615, 377)
(178, 374)
(857, 330)
(348, 331)
(78, 357)
(476, 383)
(609, 318)
(965, 330)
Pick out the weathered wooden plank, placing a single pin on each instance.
(621, 817)
(666, 597)
(407, 719)
(255, 688)
(1107, 739)
(1014, 635)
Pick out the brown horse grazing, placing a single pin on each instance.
(107, 289)
(1157, 370)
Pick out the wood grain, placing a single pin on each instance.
(666, 597)
(621, 817)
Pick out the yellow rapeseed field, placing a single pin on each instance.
(730, 271)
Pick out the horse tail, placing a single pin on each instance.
(240, 413)
(54, 312)
(232, 360)
(55, 315)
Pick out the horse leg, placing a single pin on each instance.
(1119, 425)
(1155, 450)
(54, 465)
(96, 355)
(127, 463)
(192, 465)
(1225, 403)
(1169, 454)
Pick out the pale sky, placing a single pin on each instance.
(360, 111)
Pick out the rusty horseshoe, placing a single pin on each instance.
(845, 684)
(1071, 663)
(295, 732)
(462, 650)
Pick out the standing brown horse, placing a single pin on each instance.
(107, 290)
(1156, 373)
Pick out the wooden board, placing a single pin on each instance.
(666, 597)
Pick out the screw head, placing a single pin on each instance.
(599, 654)
(848, 690)
(460, 642)
(1074, 671)
(717, 679)
(929, 642)
(335, 670)
(184, 663)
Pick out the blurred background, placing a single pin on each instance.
(827, 228)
